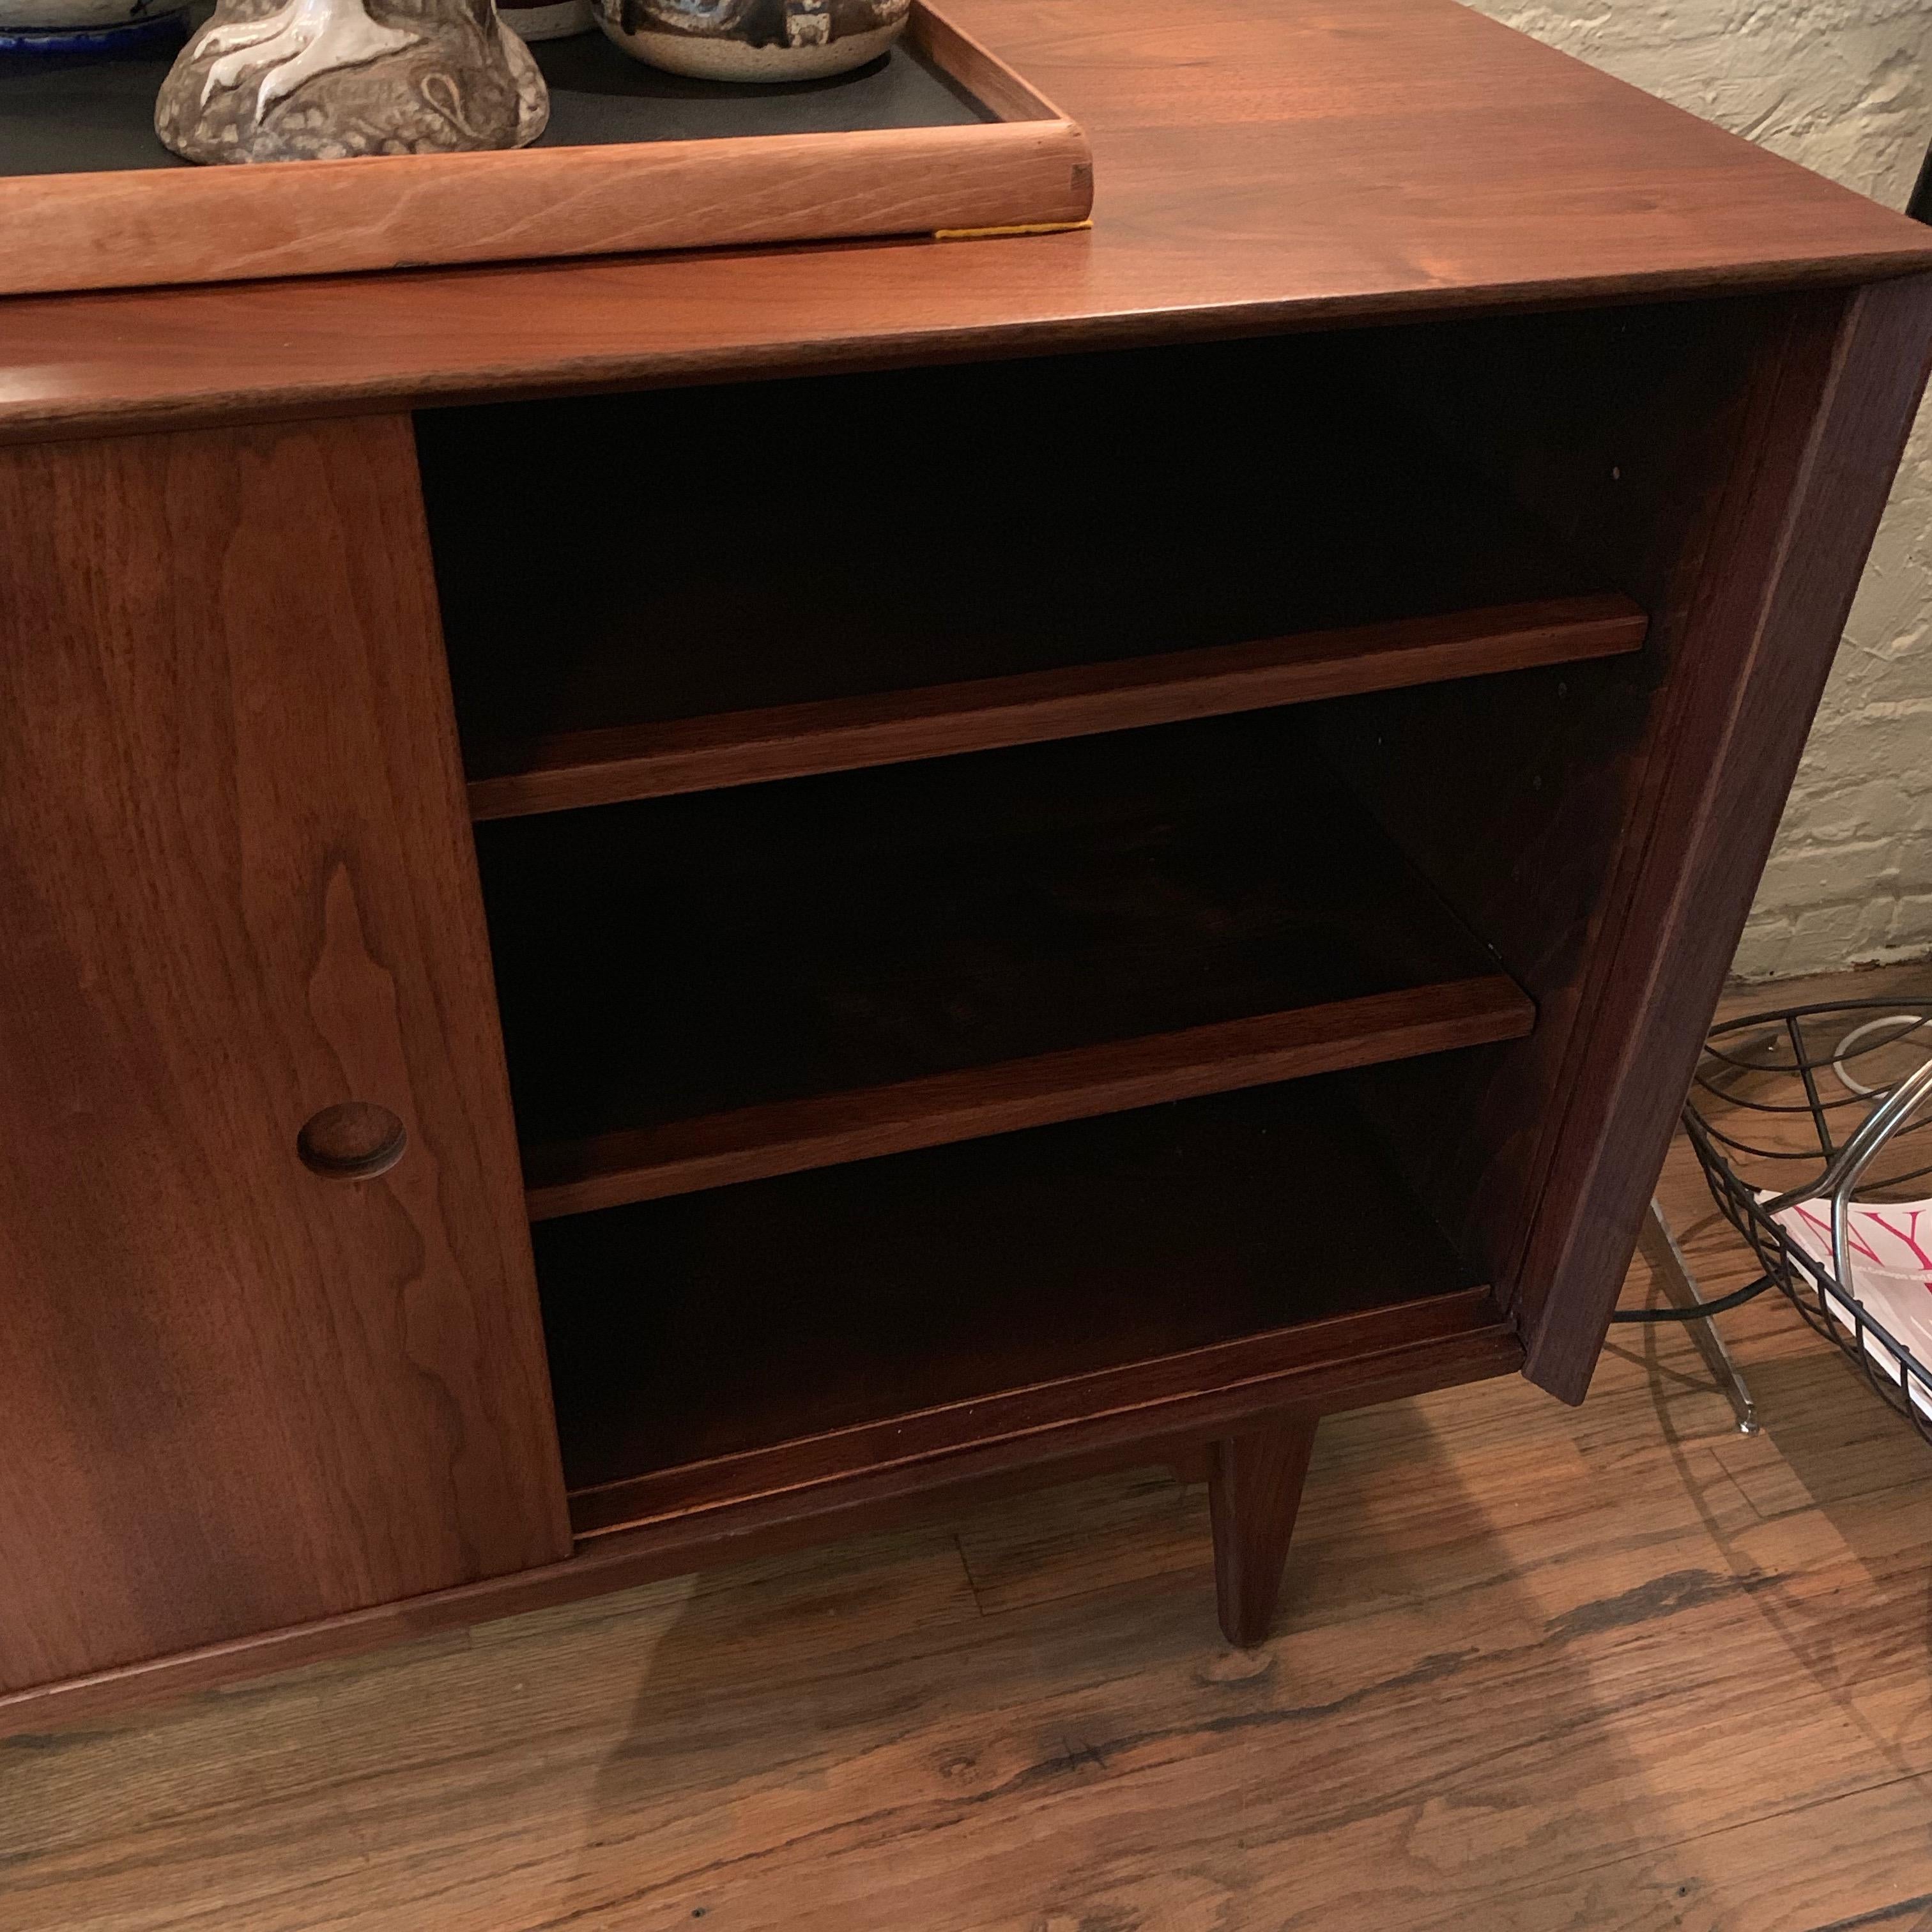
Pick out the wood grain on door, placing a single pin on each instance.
(239, 891)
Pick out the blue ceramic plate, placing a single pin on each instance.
(134, 37)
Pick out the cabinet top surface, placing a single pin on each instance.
(1260, 164)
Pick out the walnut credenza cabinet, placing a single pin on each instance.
(652, 907)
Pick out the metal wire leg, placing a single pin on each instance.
(1661, 1250)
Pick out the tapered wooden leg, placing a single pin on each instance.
(1254, 1489)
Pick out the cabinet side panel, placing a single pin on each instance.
(1602, 826)
(1798, 516)
(238, 889)
(1522, 798)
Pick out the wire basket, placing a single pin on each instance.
(1814, 1128)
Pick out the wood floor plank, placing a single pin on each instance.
(1863, 1860)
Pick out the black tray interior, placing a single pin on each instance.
(61, 115)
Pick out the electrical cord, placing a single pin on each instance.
(1736, 1299)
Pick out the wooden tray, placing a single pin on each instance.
(936, 136)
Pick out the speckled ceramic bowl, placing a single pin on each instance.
(754, 39)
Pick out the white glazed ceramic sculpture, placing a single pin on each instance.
(754, 39)
(321, 79)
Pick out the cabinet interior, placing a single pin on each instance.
(1003, 905)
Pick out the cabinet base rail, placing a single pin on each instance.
(1245, 1438)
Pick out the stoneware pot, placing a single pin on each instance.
(754, 39)
(547, 19)
(322, 79)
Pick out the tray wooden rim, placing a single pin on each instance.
(1030, 168)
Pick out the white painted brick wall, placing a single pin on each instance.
(1844, 86)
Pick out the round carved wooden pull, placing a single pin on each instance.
(354, 1141)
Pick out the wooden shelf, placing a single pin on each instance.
(600, 766)
(726, 1345)
(716, 989)
(920, 586)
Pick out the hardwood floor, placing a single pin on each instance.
(1613, 1668)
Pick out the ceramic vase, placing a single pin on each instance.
(293, 80)
(754, 39)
